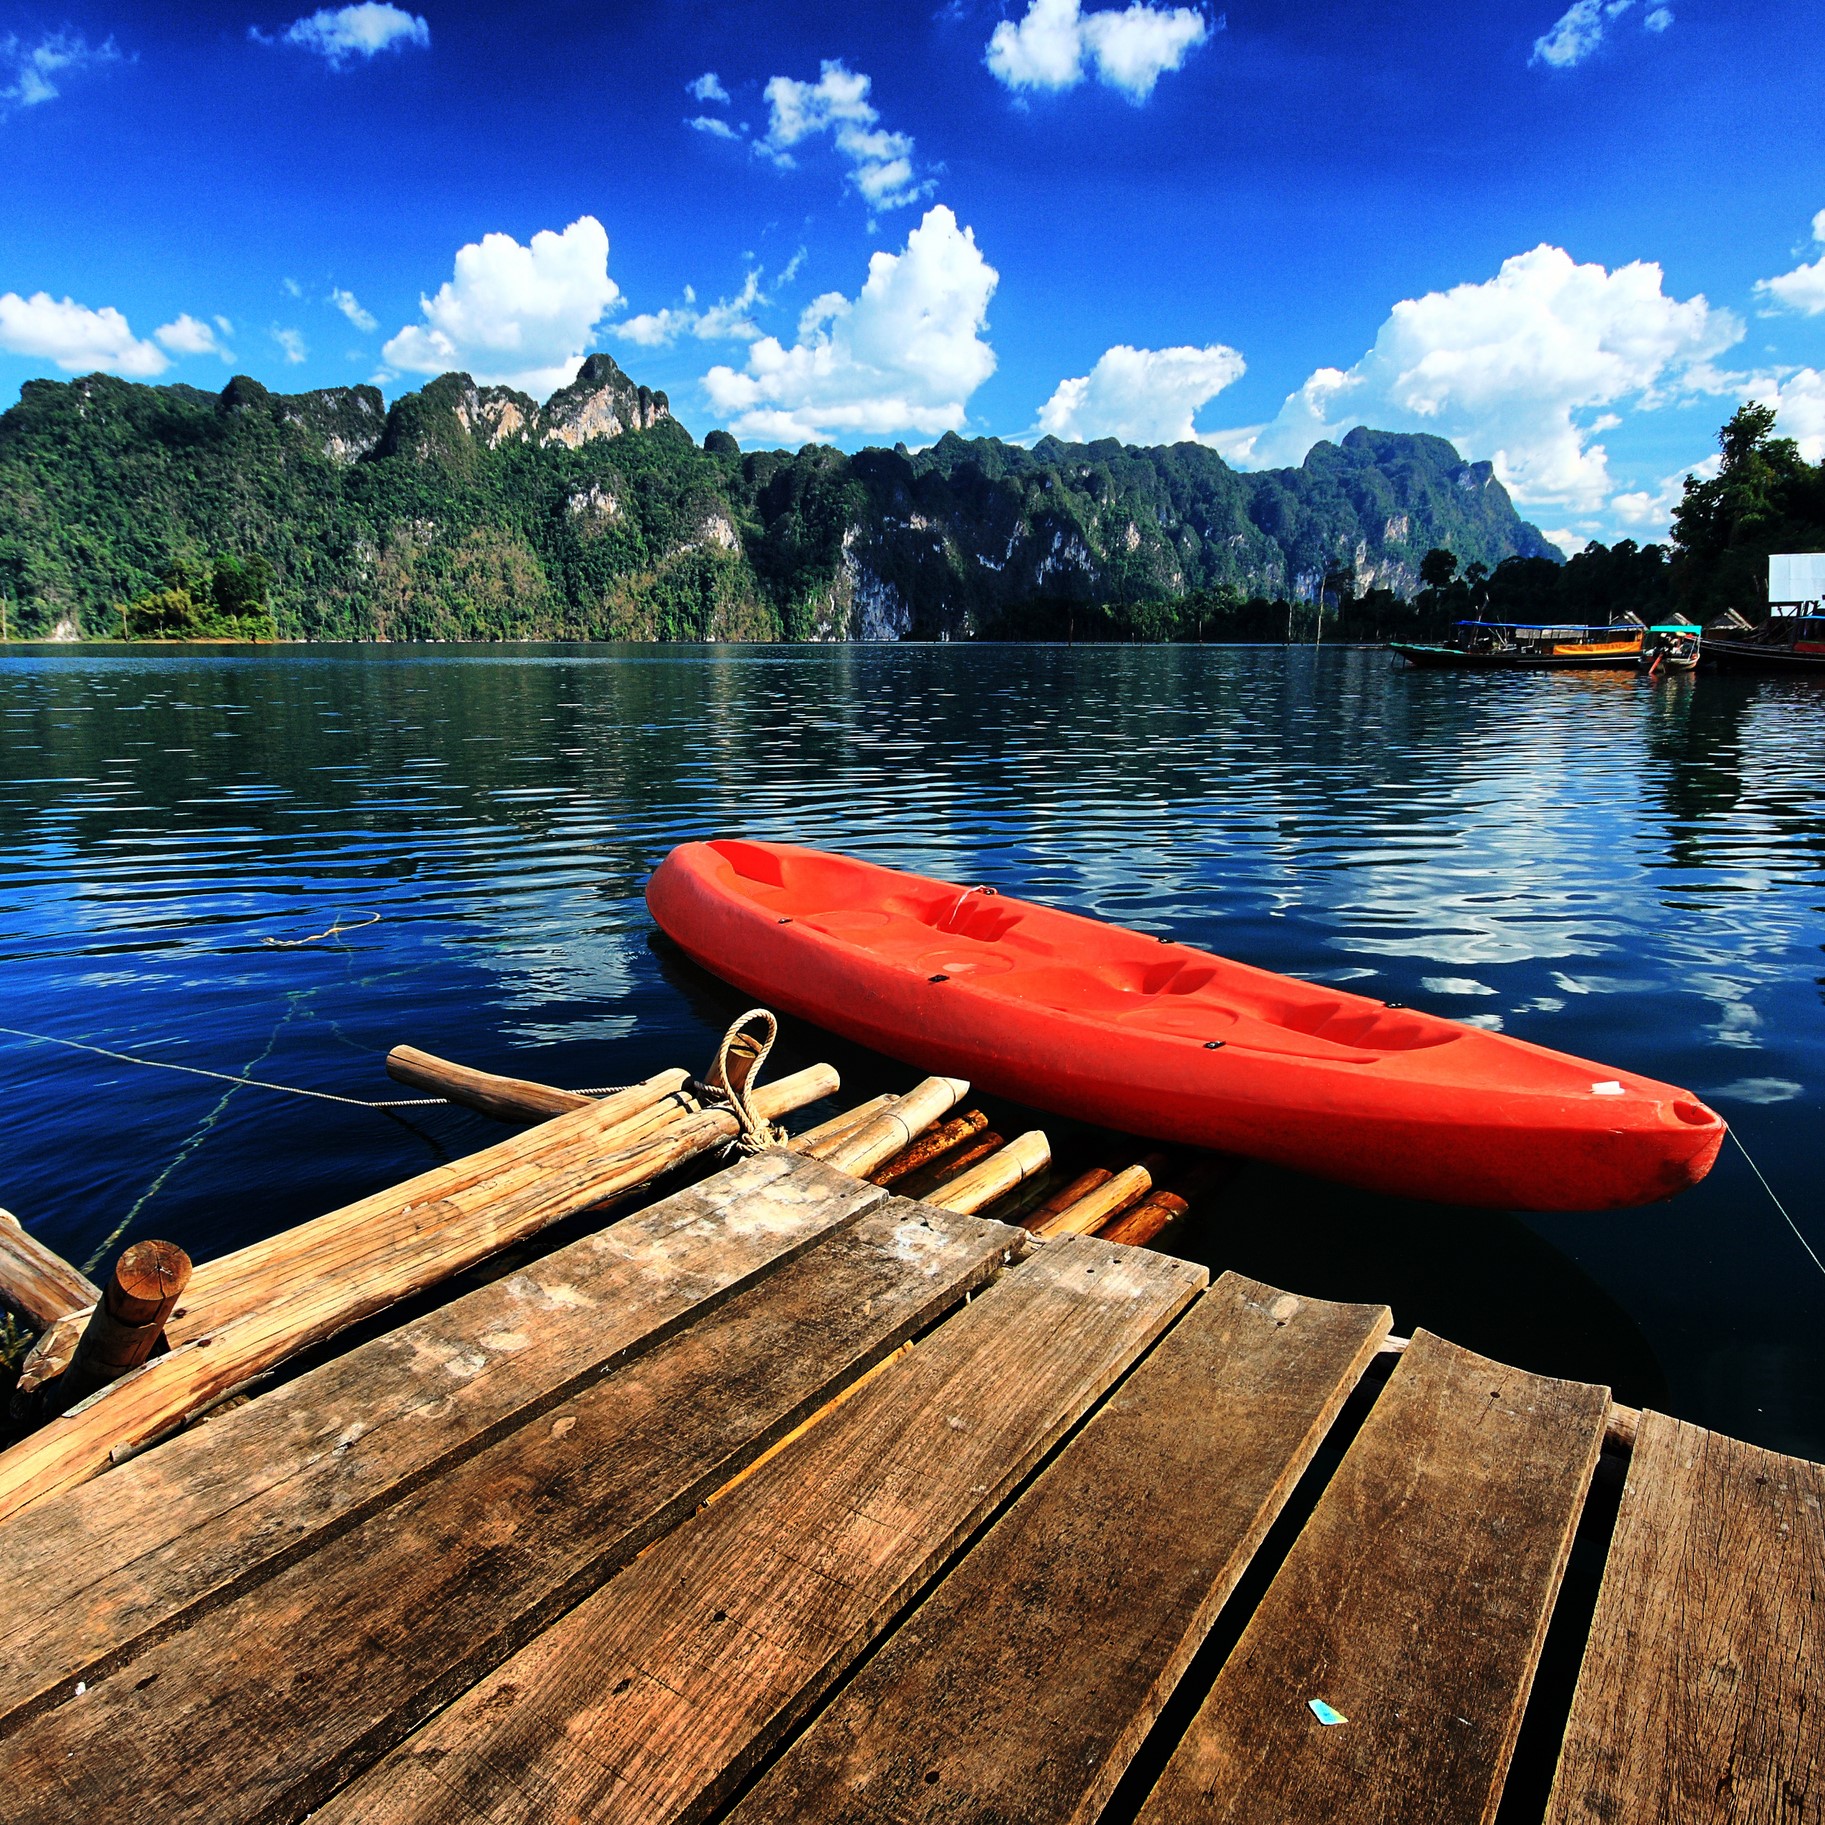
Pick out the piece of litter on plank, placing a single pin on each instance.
(1611, 1088)
(1324, 1713)
(81, 1687)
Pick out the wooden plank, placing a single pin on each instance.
(1413, 1603)
(1024, 1684)
(1702, 1695)
(89, 1574)
(654, 1697)
(265, 1704)
(36, 1282)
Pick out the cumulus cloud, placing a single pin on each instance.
(707, 87)
(29, 73)
(291, 345)
(1799, 406)
(514, 315)
(904, 355)
(185, 335)
(714, 125)
(340, 34)
(1651, 509)
(1142, 396)
(75, 338)
(880, 162)
(1581, 27)
(1803, 289)
(1519, 369)
(1056, 43)
(729, 320)
(350, 306)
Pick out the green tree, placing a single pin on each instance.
(1437, 568)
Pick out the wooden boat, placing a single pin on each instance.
(1133, 1032)
(1793, 642)
(1673, 646)
(1511, 646)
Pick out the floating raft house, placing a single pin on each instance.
(791, 1496)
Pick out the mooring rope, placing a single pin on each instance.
(755, 1135)
(1799, 1234)
(260, 1083)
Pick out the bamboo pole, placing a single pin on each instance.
(35, 1281)
(506, 1099)
(1065, 1196)
(129, 1318)
(326, 1275)
(930, 1146)
(881, 1137)
(996, 1176)
(816, 1141)
(1147, 1223)
(1095, 1208)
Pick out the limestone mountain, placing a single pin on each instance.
(475, 512)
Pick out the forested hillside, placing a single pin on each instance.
(475, 513)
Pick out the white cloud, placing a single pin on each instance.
(344, 32)
(1142, 396)
(1581, 27)
(1517, 370)
(350, 306)
(880, 162)
(292, 288)
(291, 345)
(185, 335)
(1799, 404)
(514, 315)
(904, 355)
(714, 125)
(1651, 509)
(1659, 19)
(729, 320)
(31, 71)
(1803, 289)
(75, 338)
(707, 87)
(1129, 50)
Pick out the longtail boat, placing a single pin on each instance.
(1530, 646)
(1671, 646)
(1131, 1031)
(1791, 642)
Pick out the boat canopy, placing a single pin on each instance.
(1674, 627)
(1549, 631)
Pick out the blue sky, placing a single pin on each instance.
(1570, 240)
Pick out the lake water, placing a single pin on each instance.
(1625, 869)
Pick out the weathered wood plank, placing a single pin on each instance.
(1414, 1603)
(1702, 1696)
(391, 1618)
(36, 1282)
(656, 1695)
(92, 1572)
(1022, 1687)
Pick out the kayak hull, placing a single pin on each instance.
(1119, 1029)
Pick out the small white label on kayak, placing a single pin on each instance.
(1612, 1088)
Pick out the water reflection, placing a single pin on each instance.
(1620, 867)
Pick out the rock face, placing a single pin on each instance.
(466, 511)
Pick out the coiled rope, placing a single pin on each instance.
(755, 1135)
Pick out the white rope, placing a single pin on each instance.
(260, 1083)
(754, 1135)
(1778, 1205)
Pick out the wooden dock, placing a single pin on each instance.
(792, 1498)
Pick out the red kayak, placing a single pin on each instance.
(1131, 1032)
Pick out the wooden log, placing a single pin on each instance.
(311, 1282)
(995, 1176)
(933, 1145)
(1702, 1694)
(506, 1099)
(89, 1576)
(36, 1282)
(128, 1320)
(1413, 1604)
(921, 1184)
(1159, 1215)
(817, 1141)
(385, 1620)
(1095, 1208)
(1022, 1686)
(883, 1135)
(654, 1698)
